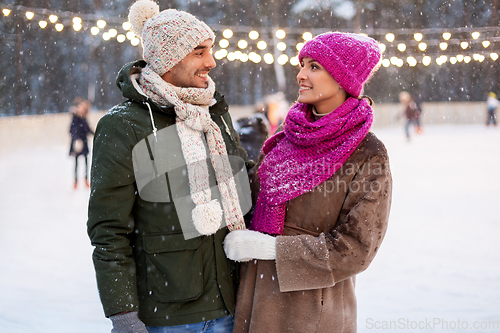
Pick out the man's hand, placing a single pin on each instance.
(245, 245)
(127, 322)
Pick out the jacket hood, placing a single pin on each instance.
(125, 82)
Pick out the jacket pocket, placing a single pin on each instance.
(174, 267)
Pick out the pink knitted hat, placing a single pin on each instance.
(349, 58)
(167, 36)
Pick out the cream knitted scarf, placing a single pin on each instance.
(192, 120)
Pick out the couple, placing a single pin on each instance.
(294, 268)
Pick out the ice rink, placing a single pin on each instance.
(438, 269)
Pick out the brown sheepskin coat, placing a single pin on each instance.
(331, 234)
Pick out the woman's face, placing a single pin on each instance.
(318, 88)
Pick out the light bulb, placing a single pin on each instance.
(127, 25)
(101, 24)
(253, 35)
(223, 43)
(281, 46)
(228, 33)
(280, 34)
(307, 36)
(261, 45)
(242, 44)
(282, 59)
(268, 58)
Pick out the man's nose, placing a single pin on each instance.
(210, 62)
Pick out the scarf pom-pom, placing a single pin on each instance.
(207, 217)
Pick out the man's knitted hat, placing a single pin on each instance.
(167, 37)
(349, 58)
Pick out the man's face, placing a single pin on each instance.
(193, 70)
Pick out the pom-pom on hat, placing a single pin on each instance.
(167, 36)
(349, 58)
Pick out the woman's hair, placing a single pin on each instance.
(370, 100)
(77, 102)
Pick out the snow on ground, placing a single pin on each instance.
(439, 263)
(440, 260)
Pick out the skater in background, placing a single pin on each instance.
(276, 109)
(253, 131)
(79, 130)
(411, 112)
(492, 103)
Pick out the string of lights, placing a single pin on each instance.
(404, 46)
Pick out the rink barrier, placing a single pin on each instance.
(53, 129)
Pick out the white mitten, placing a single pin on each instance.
(245, 245)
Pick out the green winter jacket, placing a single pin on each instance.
(142, 261)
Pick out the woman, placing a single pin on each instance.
(324, 199)
(79, 130)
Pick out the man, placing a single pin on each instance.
(162, 187)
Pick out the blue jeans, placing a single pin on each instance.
(219, 325)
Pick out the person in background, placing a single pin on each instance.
(163, 195)
(276, 109)
(323, 191)
(79, 131)
(411, 112)
(253, 131)
(492, 103)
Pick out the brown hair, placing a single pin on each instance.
(80, 100)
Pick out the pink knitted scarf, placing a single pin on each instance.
(304, 155)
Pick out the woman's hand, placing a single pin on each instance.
(245, 245)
